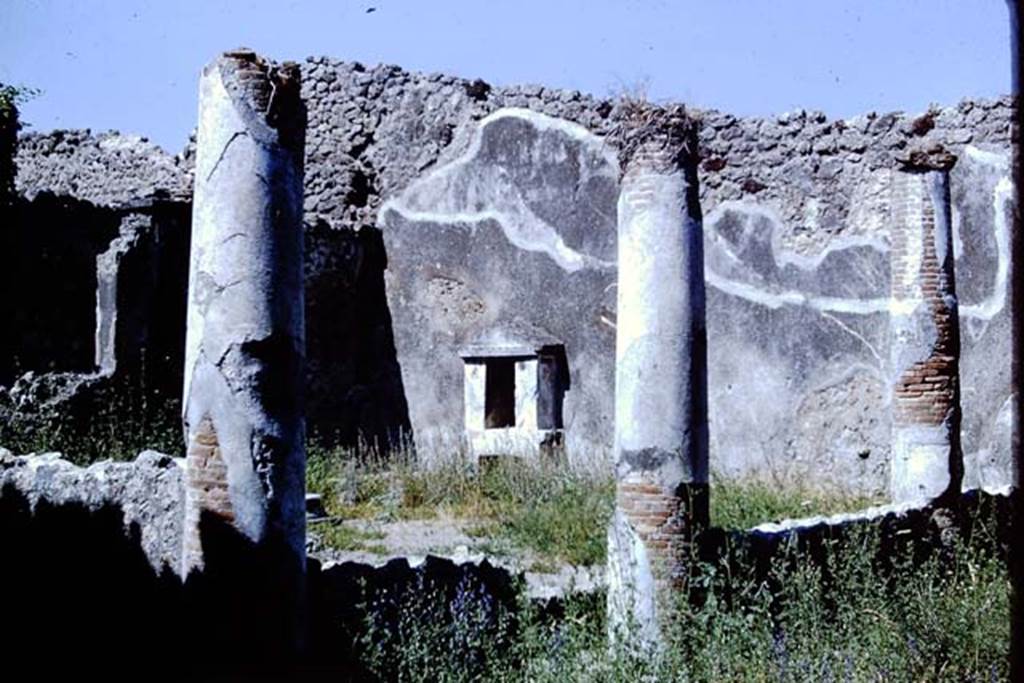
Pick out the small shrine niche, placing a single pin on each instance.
(513, 397)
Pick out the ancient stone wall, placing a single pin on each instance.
(495, 205)
(797, 256)
(97, 309)
(797, 260)
(148, 491)
(372, 130)
(98, 242)
(50, 283)
(105, 169)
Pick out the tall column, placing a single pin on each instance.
(661, 431)
(243, 414)
(1017, 308)
(924, 331)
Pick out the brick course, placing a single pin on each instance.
(206, 486)
(926, 391)
(658, 517)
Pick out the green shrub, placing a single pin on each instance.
(122, 422)
(859, 612)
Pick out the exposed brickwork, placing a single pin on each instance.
(206, 488)
(658, 517)
(658, 156)
(651, 159)
(926, 391)
(659, 240)
(250, 75)
(663, 137)
(270, 90)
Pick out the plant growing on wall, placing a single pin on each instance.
(10, 97)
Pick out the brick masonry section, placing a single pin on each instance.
(658, 155)
(660, 391)
(658, 518)
(925, 392)
(206, 485)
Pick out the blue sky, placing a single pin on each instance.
(133, 66)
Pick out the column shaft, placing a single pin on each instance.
(243, 416)
(925, 335)
(661, 438)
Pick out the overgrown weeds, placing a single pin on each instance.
(550, 508)
(858, 606)
(742, 504)
(342, 537)
(116, 424)
(860, 610)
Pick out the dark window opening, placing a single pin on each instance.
(549, 393)
(552, 383)
(49, 284)
(500, 393)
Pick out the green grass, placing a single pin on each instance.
(344, 537)
(855, 615)
(125, 422)
(549, 509)
(554, 511)
(745, 504)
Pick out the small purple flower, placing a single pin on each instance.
(912, 646)
(781, 655)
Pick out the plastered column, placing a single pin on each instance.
(925, 335)
(661, 440)
(243, 413)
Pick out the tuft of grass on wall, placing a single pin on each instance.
(342, 537)
(742, 504)
(117, 429)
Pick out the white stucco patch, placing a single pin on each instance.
(467, 191)
(872, 235)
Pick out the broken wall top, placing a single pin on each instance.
(372, 130)
(107, 169)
